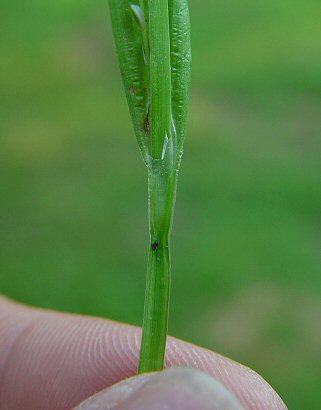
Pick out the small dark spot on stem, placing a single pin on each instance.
(155, 245)
(132, 90)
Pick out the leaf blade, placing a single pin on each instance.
(133, 67)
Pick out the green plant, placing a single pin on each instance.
(153, 45)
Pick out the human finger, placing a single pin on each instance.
(53, 361)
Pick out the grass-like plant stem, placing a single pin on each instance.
(162, 192)
(160, 76)
(153, 44)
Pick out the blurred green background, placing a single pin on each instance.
(246, 239)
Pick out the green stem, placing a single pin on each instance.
(160, 75)
(162, 178)
(153, 45)
(162, 192)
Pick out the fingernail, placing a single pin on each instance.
(173, 389)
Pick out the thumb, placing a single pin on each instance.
(173, 389)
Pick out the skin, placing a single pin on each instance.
(54, 361)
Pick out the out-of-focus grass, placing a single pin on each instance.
(246, 240)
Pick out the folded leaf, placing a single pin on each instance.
(127, 27)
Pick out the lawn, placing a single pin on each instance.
(246, 238)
